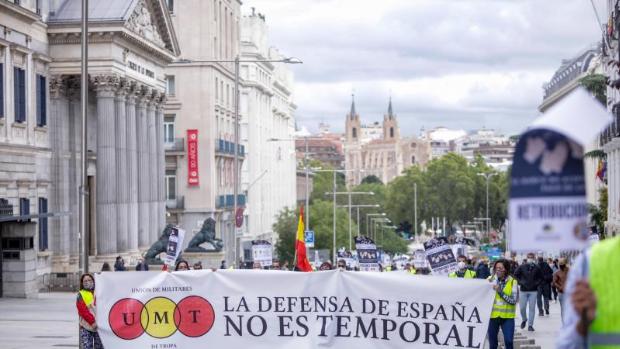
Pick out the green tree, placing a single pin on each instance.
(286, 228)
(391, 242)
(322, 224)
(372, 179)
(597, 85)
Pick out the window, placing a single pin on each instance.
(354, 132)
(1, 90)
(217, 90)
(413, 160)
(41, 101)
(391, 132)
(169, 130)
(171, 185)
(43, 225)
(19, 88)
(24, 208)
(170, 4)
(170, 85)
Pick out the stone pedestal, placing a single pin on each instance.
(208, 259)
(19, 272)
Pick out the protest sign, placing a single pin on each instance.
(419, 259)
(367, 255)
(262, 252)
(548, 209)
(331, 309)
(175, 244)
(440, 256)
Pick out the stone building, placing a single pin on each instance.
(386, 157)
(267, 130)
(201, 98)
(130, 44)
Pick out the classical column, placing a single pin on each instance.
(59, 200)
(106, 86)
(132, 169)
(74, 132)
(161, 164)
(122, 179)
(152, 167)
(144, 174)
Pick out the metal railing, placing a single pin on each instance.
(178, 145)
(178, 203)
(225, 147)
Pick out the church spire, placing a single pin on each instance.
(390, 111)
(352, 113)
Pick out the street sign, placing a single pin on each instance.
(309, 237)
(239, 217)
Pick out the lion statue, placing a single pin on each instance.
(161, 245)
(206, 234)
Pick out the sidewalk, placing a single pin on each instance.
(546, 327)
(47, 322)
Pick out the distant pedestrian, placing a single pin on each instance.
(559, 282)
(142, 265)
(504, 305)
(529, 277)
(182, 266)
(553, 263)
(223, 265)
(482, 270)
(198, 265)
(119, 265)
(463, 272)
(544, 289)
(106, 267)
(89, 337)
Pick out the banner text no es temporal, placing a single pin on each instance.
(408, 321)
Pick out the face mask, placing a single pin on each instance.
(89, 285)
(500, 274)
(531, 260)
(461, 265)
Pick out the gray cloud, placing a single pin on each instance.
(458, 63)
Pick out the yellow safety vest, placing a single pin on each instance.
(605, 330)
(468, 274)
(413, 271)
(87, 297)
(501, 309)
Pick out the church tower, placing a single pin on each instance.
(353, 124)
(390, 125)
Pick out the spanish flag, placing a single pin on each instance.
(300, 245)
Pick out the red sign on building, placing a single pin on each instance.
(192, 157)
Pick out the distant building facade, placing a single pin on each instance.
(268, 175)
(385, 157)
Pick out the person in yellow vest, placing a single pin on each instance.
(592, 318)
(410, 269)
(463, 272)
(504, 306)
(89, 338)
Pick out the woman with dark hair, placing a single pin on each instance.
(89, 338)
(504, 305)
(106, 267)
(182, 266)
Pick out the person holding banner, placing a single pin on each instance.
(89, 338)
(182, 266)
(592, 318)
(504, 305)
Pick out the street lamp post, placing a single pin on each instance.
(383, 214)
(373, 222)
(487, 177)
(237, 61)
(349, 193)
(358, 213)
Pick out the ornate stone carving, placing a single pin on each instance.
(132, 91)
(106, 85)
(142, 23)
(124, 89)
(58, 86)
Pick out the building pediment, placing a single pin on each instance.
(146, 21)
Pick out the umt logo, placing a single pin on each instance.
(160, 317)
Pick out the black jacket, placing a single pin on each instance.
(482, 271)
(529, 277)
(547, 272)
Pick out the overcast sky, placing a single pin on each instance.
(455, 63)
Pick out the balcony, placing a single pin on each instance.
(177, 147)
(227, 201)
(176, 204)
(226, 148)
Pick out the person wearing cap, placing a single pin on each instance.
(559, 282)
(592, 309)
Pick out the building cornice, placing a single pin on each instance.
(20, 12)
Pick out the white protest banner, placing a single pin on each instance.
(440, 256)
(262, 252)
(175, 244)
(548, 209)
(278, 310)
